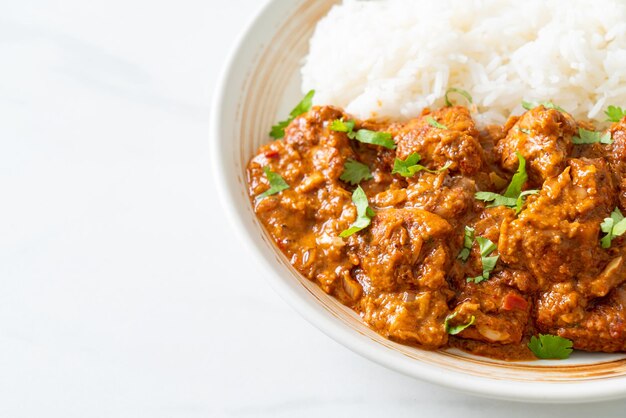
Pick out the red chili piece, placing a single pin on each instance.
(513, 301)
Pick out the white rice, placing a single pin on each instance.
(392, 58)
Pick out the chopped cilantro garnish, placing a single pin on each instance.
(550, 346)
(519, 178)
(614, 113)
(432, 122)
(468, 241)
(459, 91)
(354, 172)
(489, 263)
(455, 329)
(591, 137)
(278, 130)
(409, 167)
(339, 125)
(499, 200)
(364, 213)
(383, 139)
(513, 196)
(495, 198)
(613, 227)
(277, 183)
(366, 136)
(486, 246)
(547, 105)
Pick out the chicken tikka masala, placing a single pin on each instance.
(504, 241)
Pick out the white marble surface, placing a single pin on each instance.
(123, 293)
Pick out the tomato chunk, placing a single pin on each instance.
(513, 301)
(271, 154)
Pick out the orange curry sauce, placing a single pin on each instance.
(403, 273)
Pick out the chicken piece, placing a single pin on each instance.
(565, 304)
(579, 305)
(306, 219)
(323, 149)
(408, 317)
(544, 138)
(404, 249)
(448, 197)
(557, 236)
(603, 328)
(490, 220)
(500, 312)
(456, 143)
(489, 136)
(592, 325)
(557, 239)
(500, 309)
(596, 284)
(404, 257)
(486, 226)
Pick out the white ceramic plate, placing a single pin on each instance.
(259, 85)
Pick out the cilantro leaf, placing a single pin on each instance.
(277, 183)
(489, 263)
(409, 167)
(304, 105)
(619, 228)
(613, 227)
(513, 196)
(456, 329)
(432, 122)
(616, 215)
(366, 136)
(519, 178)
(459, 91)
(278, 130)
(497, 199)
(550, 346)
(592, 137)
(547, 105)
(614, 113)
(339, 125)
(468, 241)
(607, 227)
(364, 213)
(383, 139)
(486, 246)
(354, 172)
